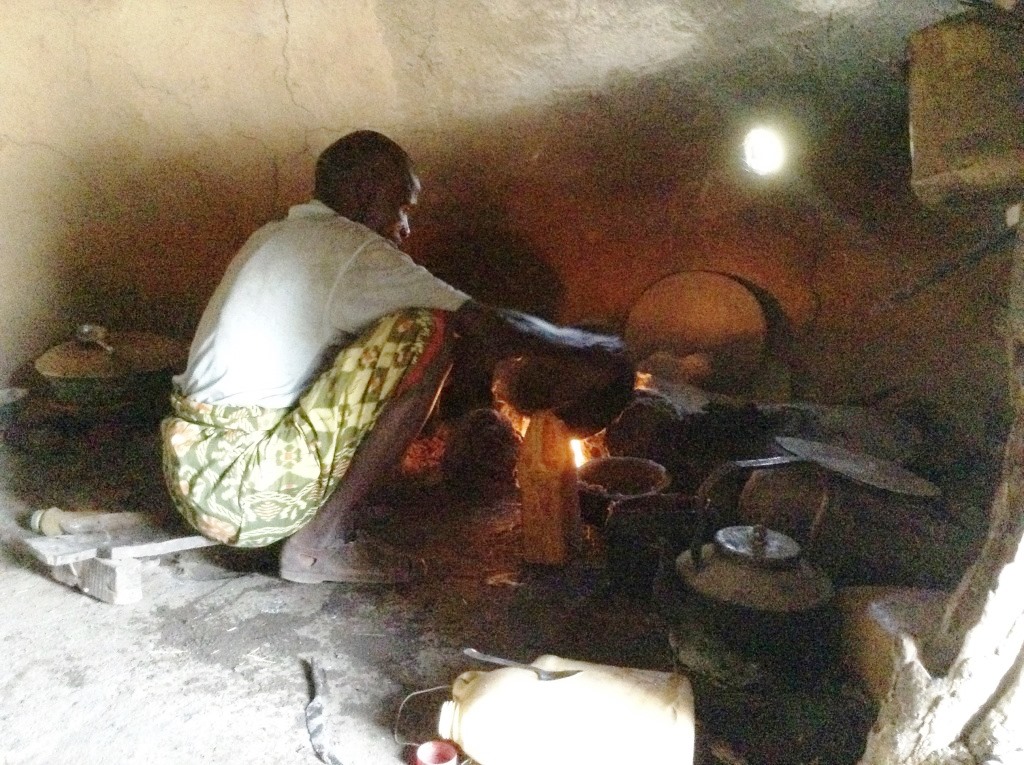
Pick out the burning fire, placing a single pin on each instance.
(577, 451)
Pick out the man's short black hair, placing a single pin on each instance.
(359, 160)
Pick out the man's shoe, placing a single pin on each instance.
(358, 562)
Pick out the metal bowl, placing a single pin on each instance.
(607, 479)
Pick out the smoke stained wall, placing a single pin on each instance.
(572, 153)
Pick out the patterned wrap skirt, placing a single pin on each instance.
(248, 476)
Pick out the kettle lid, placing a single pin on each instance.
(758, 545)
(756, 568)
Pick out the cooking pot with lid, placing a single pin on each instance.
(751, 597)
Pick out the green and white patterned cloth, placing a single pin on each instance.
(248, 476)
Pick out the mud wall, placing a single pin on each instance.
(572, 155)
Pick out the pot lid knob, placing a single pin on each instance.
(758, 545)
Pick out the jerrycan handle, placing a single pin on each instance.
(706, 510)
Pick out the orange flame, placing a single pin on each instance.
(577, 451)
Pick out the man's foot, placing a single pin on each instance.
(359, 562)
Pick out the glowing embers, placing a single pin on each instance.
(764, 151)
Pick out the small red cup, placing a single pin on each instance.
(437, 753)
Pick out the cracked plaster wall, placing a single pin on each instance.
(141, 141)
(573, 153)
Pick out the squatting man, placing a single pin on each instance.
(319, 358)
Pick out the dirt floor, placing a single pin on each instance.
(211, 666)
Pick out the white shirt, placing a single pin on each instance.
(297, 289)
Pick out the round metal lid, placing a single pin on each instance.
(758, 545)
(862, 468)
(133, 353)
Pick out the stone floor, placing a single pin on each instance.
(211, 666)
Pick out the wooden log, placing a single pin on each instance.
(546, 471)
(54, 522)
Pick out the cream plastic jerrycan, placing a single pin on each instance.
(602, 716)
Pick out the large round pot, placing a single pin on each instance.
(135, 373)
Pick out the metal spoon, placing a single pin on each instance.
(543, 674)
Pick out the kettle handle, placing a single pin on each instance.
(705, 504)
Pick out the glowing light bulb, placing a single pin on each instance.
(763, 151)
(577, 451)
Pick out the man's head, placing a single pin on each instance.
(369, 179)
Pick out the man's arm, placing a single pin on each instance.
(502, 332)
(585, 377)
